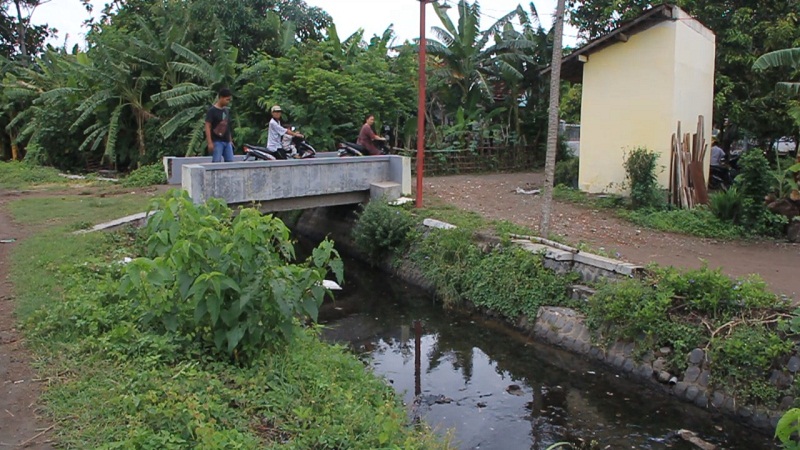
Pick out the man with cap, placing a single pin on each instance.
(276, 130)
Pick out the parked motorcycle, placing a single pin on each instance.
(721, 177)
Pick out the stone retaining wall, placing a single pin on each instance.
(564, 327)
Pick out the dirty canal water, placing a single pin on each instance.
(496, 389)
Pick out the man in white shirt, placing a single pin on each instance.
(276, 130)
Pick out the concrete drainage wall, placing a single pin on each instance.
(564, 327)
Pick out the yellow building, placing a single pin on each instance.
(638, 82)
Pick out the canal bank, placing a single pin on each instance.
(567, 328)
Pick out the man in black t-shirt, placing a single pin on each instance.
(218, 128)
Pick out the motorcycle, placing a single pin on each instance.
(292, 147)
(721, 177)
(352, 149)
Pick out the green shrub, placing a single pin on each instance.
(742, 359)
(640, 168)
(567, 172)
(146, 176)
(727, 204)
(382, 229)
(629, 310)
(16, 175)
(755, 182)
(224, 280)
(714, 294)
(445, 258)
(514, 282)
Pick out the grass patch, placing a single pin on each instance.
(19, 175)
(77, 209)
(696, 222)
(116, 384)
(469, 220)
(699, 221)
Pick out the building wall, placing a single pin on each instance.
(694, 79)
(635, 92)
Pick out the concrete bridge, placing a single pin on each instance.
(294, 184)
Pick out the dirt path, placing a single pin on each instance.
(20, 424)
(493, 196)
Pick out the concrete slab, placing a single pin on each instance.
(134, 219)
(433, 223)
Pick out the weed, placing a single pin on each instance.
(146, 176)
(726, 205)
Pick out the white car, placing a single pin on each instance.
(785, 145)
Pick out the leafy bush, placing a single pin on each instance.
(640, 168)
(567, 172)
(16, 175)
(382, 229)
(629, 310)
(146, 176)
(742, 361)
(727, 204)
(712, 293)
(755, 182)
(225, 280)
(514, 282)
(754, 178)
(139, 387)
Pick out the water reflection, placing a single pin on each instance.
(499, 390)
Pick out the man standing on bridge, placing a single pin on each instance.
(218, 128)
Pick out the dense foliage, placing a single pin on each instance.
(150, 70)
(139, 386)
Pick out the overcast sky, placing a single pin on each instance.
(348, 15)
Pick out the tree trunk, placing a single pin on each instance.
(552, 125)
(21, 29)
(140, 137)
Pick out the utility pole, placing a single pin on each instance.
(552, 124)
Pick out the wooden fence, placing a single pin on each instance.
(482, 159)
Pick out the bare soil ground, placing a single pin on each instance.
(494, 197)
(21, 425)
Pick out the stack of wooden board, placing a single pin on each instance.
(687, 181)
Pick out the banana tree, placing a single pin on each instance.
(188, 100)
(789, 59)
